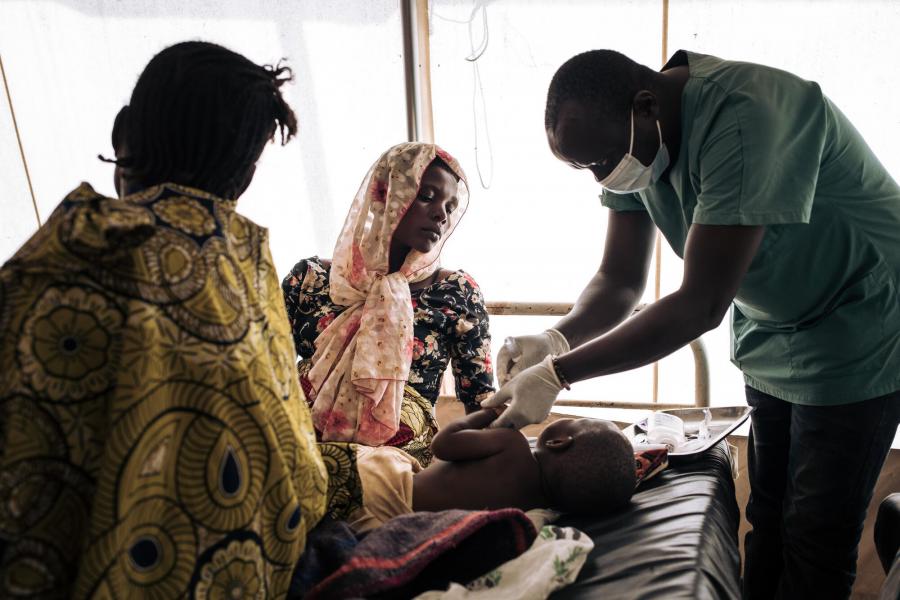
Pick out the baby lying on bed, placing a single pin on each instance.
(578, 466)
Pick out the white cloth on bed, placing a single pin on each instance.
(542, 516)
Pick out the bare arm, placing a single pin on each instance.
(716, 259)
(467, 438)
(615, 290)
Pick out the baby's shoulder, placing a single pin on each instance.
(516, 449)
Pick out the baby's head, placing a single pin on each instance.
(587, 465)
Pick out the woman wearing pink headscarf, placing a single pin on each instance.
(377, 325)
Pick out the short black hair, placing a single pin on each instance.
(200, 115)
(604, 78)
(597, 475)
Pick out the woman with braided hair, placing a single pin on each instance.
(154, 440)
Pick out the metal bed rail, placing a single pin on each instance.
(701, 364)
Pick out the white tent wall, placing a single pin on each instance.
(72, 64)
(535, 232)
(18, 218)
(535, 229)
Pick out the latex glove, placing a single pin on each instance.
(530, 395)
(519, 353)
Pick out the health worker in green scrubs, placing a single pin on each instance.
(780, 211)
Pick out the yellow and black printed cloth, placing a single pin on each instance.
(153, 440)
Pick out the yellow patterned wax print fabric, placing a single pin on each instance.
(345, 493)
(153, 440)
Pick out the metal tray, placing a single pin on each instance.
(723, 420)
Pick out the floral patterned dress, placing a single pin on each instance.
(450, 327)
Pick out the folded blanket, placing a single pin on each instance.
(328, 546)
(410, 554)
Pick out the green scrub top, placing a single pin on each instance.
(817, 317)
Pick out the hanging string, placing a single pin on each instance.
(485, 34)
(478, 99)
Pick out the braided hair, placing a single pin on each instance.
(605, 79)
(200, 115)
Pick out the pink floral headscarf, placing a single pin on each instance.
(363, 357)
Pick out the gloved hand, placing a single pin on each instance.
(519, 353)
(530, 394)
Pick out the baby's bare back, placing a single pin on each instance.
(508, 479)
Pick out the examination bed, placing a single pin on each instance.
(678, 539)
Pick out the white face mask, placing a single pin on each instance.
(632, 176)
